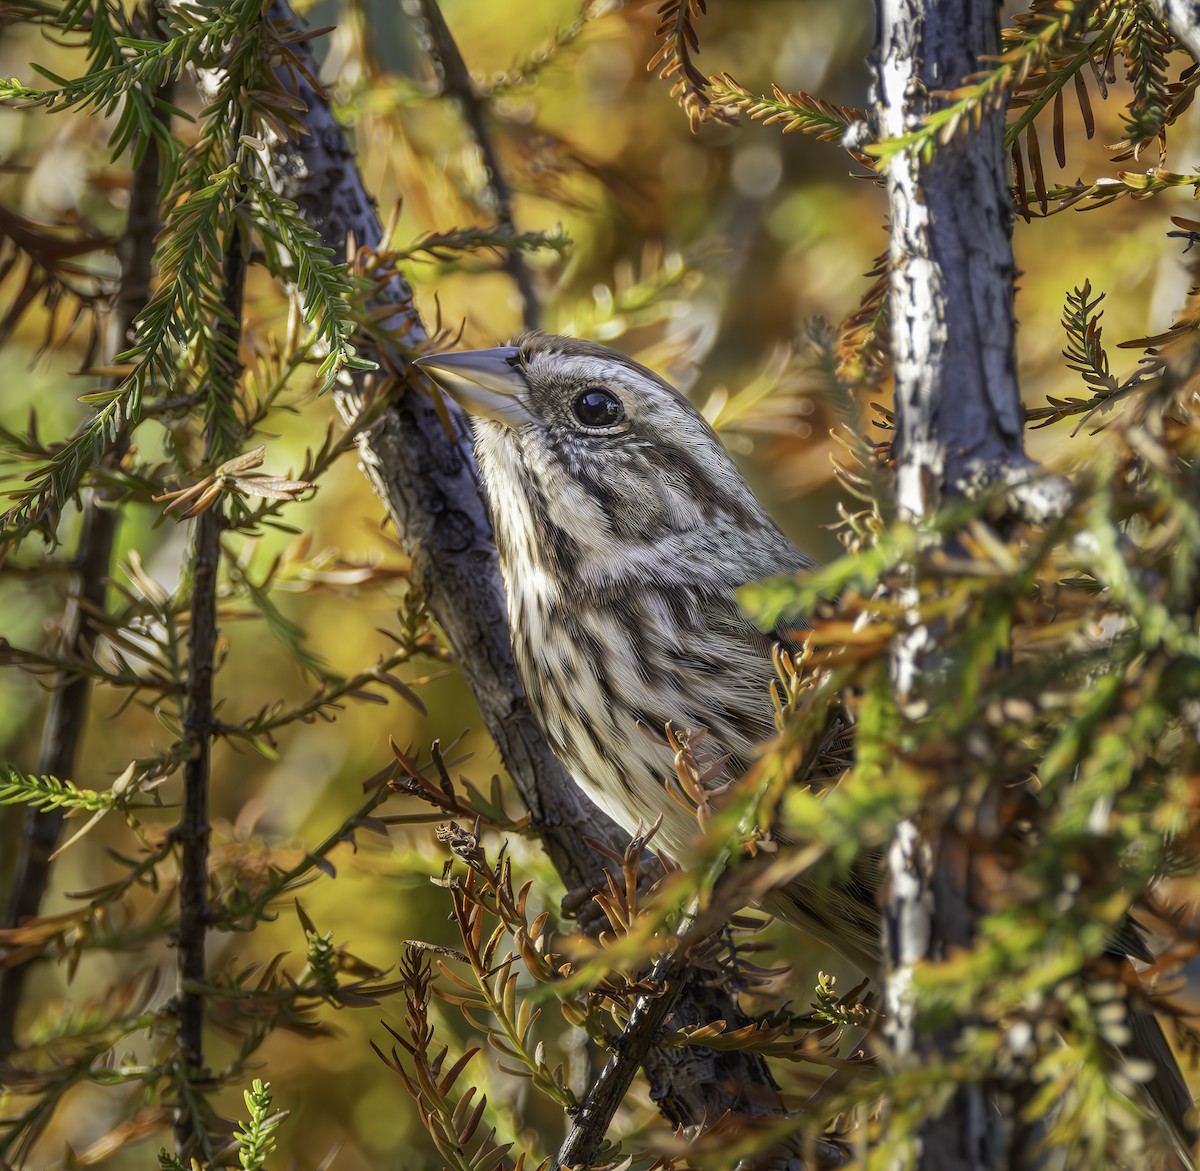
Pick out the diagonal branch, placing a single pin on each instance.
(429, 485)
(607, 1092)
(457, 83)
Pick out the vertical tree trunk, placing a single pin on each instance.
(958, 410)
(959, 424)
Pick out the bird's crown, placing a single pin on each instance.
(589, 450)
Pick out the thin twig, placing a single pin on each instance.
(456, 83)
(674, 974)
(607, 1092)
(67, 713)
(193, 830)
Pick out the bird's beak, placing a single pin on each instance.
(483, 382)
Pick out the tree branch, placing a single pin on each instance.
(607, 1092)
(67, 714)
(959, 424)
(456, 83)
(193, 831)
(959, 413)
(429, 485)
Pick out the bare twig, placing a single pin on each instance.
(607, 1092)
(67, 713)
(193, 831)
(456, 83)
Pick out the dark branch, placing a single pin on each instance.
(959, 416)
(429, 484)
(959, 422)
(607, 1092)
(67, 713)
(456, 83)
(193, 831)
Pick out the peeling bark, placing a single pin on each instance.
(959, 412)
(959, 425)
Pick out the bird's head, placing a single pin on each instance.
(592, 453)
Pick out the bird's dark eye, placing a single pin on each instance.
(597, 407)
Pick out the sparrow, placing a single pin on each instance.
(624, 531)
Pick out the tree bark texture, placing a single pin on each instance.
(959, 424)
(928, 913)
(430, 486)
(959, 413)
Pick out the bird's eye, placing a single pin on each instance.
(597, 407)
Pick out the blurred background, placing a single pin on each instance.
(706, 255)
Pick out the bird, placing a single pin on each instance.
(624, 530)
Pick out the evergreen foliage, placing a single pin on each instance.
(1055, 735)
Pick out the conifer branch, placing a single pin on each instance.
(1100, 192)
(1085, 354)
(452, 1115)
(188, 254)
(527, 70)
(1144, 43)
(222, 376)
(1029, 45)
(1183, 20)
(446, 246)
(586, 1138)
(256, 1140)
(460, 573)
(294, 251)
(792, 112)
(679, 42)
(46, 793)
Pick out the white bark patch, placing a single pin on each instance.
(909, 912)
